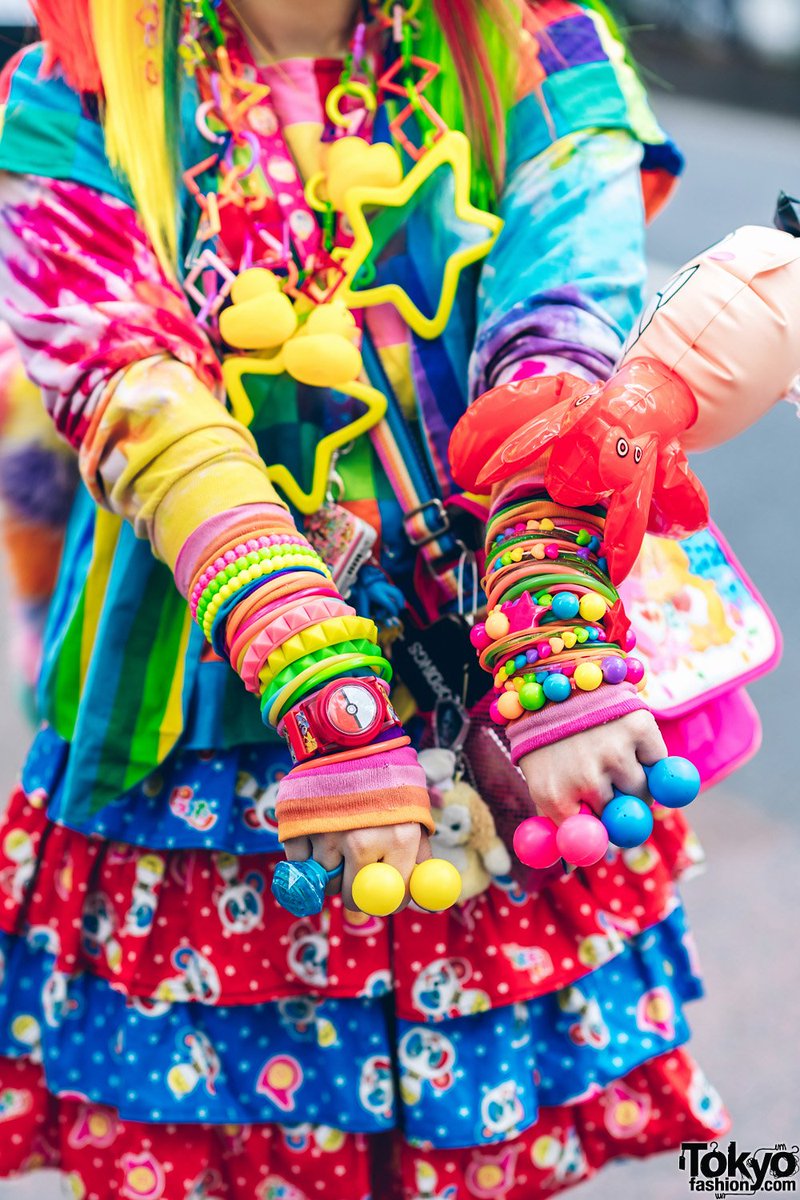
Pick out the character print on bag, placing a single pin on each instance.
(275, 1188)
(439, 990)
(199, 1064)
(626, 1112)
(533, 959)
(239, 905)
(208, 1186)
(197, 979)
(564, 1160)
(14, 1102)
(426, 1056)
(57, 1004)
(590, 1029)
(300, 1018)
(144, 899)
(279, 1079)
(27, 1033)
(596, 949)
(98, 929)
(376, 1086)
(502, 1112)
(93, 1126)
(491, 1176)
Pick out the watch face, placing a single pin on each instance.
(352, 710)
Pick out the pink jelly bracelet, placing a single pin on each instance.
(303, 616)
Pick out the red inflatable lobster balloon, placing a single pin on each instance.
(613, 444)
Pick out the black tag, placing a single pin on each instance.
(439, 664)
(450, 725)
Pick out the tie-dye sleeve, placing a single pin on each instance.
(565, 279)
(125, 372)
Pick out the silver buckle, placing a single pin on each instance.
(440, 511)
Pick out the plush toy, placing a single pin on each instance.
(465, 830)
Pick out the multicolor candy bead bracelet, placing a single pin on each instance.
(550, 601)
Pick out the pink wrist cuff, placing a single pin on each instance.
(385, 789)
(583, 710)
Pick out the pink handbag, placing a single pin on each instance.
(703, 632)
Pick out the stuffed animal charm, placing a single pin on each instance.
(465, 833)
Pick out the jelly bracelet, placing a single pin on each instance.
(322, 636)
(297, 577)
(317, 674)
(259, 564)
(275, 683)
(263, 634)
(551, 607)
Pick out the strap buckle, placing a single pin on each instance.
(439, 512)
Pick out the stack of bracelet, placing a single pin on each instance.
(546, 634)
(268, 603)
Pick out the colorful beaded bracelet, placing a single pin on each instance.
(253, 573)
(278, 555)
(531, 692)
(546, 652)
(239, 552)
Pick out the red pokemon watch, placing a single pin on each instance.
(343, 714)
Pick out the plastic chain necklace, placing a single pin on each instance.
(293, 298)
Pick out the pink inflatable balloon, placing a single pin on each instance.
(729, 324)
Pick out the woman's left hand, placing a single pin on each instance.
(588, 766)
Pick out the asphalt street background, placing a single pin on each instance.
(745, 908)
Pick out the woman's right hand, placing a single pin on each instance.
(402, 846)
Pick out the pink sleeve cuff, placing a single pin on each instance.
(583, 710)
(249, 518)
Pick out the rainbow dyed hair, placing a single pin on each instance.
(126, 52)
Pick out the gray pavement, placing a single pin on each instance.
(745, 908)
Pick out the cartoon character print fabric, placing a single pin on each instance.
(468, 1028)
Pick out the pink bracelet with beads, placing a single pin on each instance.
(252, 545)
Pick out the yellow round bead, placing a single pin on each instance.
(378, 889)
(497, 625)
(435, 885)
(588, 676)
(593, 607)
(508, 705)
(225, 591)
